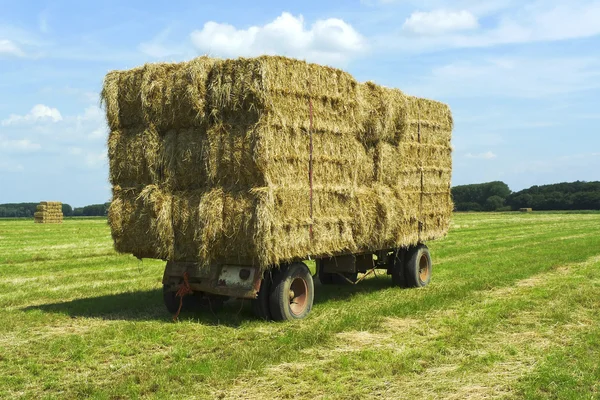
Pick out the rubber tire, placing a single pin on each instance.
(260, 305)
(279, 303)
(411, 267)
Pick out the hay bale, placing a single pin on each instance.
(384, 113)
(526, 209)
(140, 221)
(135, 156)
(229, 182)
(167, 95)
(48, 212)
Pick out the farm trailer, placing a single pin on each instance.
(234, 171)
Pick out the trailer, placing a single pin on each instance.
(235, 172)
(286, 292)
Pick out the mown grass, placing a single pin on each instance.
(513, 311)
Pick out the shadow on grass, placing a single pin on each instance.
(148, 305)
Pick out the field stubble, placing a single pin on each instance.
(512, 311)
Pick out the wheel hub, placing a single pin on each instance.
(298, 296)
(424, 268)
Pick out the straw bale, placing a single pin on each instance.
(48, 212)
(384, 113)
(135, 156)
(169, 96)
(282, 91)
(51, 203)
(223, 175)
(141, 222)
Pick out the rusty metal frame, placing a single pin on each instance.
(202, 279)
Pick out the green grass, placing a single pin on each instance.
(513, 311)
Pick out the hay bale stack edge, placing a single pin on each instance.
(48, 212)
(210, 162)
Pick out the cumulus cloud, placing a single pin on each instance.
(39, 113)
(19, 145)
(488, 155)
(92, 113)
(75, 151)
(96, 159)
(526, 22)
(6, 166)
(440, 21)
(8, 47)
(160, 47)
(510, 77)
(328, 41)
(99, 133)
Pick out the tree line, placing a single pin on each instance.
(497, 196)
(490, 196)
(26, 210)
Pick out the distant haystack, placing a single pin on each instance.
(49, 212)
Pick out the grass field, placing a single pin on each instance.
(513, 311)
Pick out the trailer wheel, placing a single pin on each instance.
(292, 293)
(417, 269)
(260, 305)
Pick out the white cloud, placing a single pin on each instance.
(328, 41)
(39, 113)
(8, 47)
(75, 151)
(82, 95)
(440, 21)
(159, 48)
(43, 22)
(524, 22)
(6, 166)
(19, 145)
(99, 133)
(92, 113)
(488, 155)
(510, 77)
(96, 159)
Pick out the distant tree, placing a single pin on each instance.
(467, 206)
(67, 210)
(494, 203)
(497, 188)
(96, 210)
(475, 197)
(16, 210)
(561, 196)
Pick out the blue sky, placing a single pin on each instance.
(522, 77)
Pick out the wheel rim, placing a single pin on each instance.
(424, 268)
(298, 296)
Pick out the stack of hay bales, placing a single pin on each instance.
(269, 159)
(48, 212)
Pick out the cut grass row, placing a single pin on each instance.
(510, 296)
